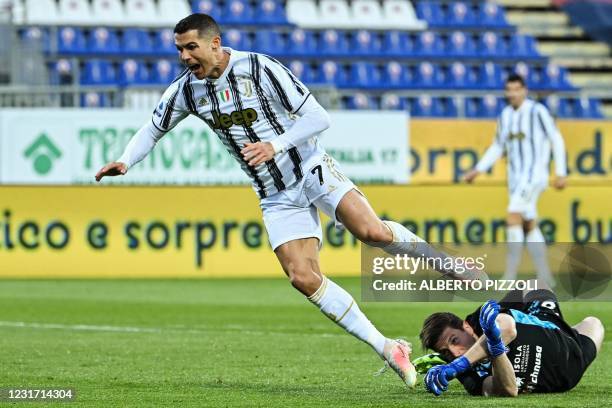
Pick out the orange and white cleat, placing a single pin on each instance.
(397, 356)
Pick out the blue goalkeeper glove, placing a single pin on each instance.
(437, 378)
(490, 328)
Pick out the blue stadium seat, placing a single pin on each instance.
(364, 43)
(459, 76)
(164, 72)
(164, 42)
(391, 101)
(460, 44)
(460, 14)
(95, 100)
(333, 42)
(361, 101)
(554, 77)
(364, 75)
(237, 12)
(236, 39)
(270, 12)
(212, 8)
(269, 42)
(427, 75)
(303, 71)
(62, 72)
(98, 72)
(449, 107)
(430, 11)
(429, 44)
(302, 42)
(523, 46)
(588, 108)
(491, 15)
(395, 75)
(103, 41)
(397, 44)
(36, 36)
(491, 44)
(531, 77)
(70, 40)
(332, 73)
(132, 72)
(136, 41)
(559, 107)
(426, 106)
(488, 106)
(490, 76)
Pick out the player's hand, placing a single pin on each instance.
(111, 169)
(471, 175)
(257, 153)
(437, 378)
(560, 182)
(488, 322)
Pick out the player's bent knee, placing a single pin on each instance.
(303, 277)
(377, 233)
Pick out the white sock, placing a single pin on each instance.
(515, 236)
(536, 245)
(337, 304)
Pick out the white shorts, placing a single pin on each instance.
(293, 213)
(524, 200)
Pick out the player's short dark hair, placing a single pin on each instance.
(514, 77)
(434, 326)
(206, 25)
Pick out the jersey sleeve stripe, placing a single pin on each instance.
(182, 74)
(295, 81)
(188, 95)
(300, 107)
(157, 127)
(263, 101)
(169, 110)
(532, 141)
(278, 88)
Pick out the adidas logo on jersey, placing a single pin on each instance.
(245, 117)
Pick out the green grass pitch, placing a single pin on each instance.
(227, 343)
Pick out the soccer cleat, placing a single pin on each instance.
(424, 363)
(397, 356)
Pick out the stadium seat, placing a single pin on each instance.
(459, 76)
(35, 37)
(460, 14)
(431, 12)
(587, 108)
(164, 72)
(488, 106)
(333, 42)
(529, 75)
(331, 73)
(361, 101)
(75, 12)
(559, 107)
(364, 75)
(237, 12)
(108, 12)
(98, 72)
(171, 11)
(399, 14)
(103, 41)
(62, 72)
(491, 45)
(270, 12)
(140, 13)
(269, 42)
(70, 40)
(395, 76)
(429, 44)
(302, 42)
(95, 100)
(392, 101)
(554, 77)
(491, 15)
(449, 107)
(490, 76)
(334, 14)
(164, 42)
(212, 8)
(303, 13)
(237, 40)
(303, 71)
(41, 12)
(364, 43)
(132, 72)
(427, 75)
(426, 106)
(397, 44)
(460, 44)
(367, 14)
(523, 46)
(136, 41)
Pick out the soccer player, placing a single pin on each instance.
(525, 133)
(520, 345)
(269, 122)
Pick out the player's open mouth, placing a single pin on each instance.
(194, 67)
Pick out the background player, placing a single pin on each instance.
(525, 133)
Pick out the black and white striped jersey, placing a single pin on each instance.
(526, 135)
(255, 99)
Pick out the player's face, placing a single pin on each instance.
(200, 55)
(455, 342)
(515, 94)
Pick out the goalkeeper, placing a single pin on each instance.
(511, 347)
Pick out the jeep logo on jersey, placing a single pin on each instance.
(245, 117)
